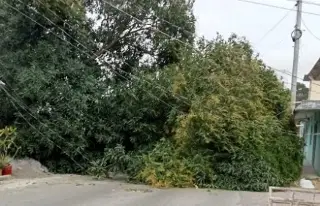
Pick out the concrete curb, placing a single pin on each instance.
(5, 177)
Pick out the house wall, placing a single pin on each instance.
(314, 90)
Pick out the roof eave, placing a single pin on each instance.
(315, 72)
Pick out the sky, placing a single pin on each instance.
(254, 21)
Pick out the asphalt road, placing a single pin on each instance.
(82, 191)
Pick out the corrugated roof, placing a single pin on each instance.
(308, 105)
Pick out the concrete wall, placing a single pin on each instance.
(314, 90)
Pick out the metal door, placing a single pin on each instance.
(314, 143)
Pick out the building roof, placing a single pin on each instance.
(308, 105)
(306, 110)
(314, 73)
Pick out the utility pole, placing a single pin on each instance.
(296, 35)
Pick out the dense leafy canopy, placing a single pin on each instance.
(165, 114)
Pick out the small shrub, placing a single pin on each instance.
(163, 168)
(245, 171)
(167, 166)
(114, 160)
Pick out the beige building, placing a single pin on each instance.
(314, 78)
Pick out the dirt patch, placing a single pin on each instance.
(28, 168)
(316, 183)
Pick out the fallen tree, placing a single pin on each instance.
(211, 116)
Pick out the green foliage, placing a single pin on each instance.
(4, 160)
(8, 144)
(165, 166)
(114, 160)
(52, 84)
(8, 147)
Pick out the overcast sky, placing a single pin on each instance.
(254, 21)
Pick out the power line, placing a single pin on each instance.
(275, 26)
(311, 3)
(290, 74)
(308, 2)
(309, 30)
(8, 92)
(277, 7)
(111, 6)
(286, 72)
(96, 56)
(153, 96)
(14, 8)
(125, 13)
(117, 9)
(30, 113)
(139, 19)
(32, 126)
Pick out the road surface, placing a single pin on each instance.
(82, 191)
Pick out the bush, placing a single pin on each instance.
(165, 166)
(114, 160)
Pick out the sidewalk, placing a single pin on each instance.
(308, 172)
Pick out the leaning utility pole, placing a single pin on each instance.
(296, 35)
